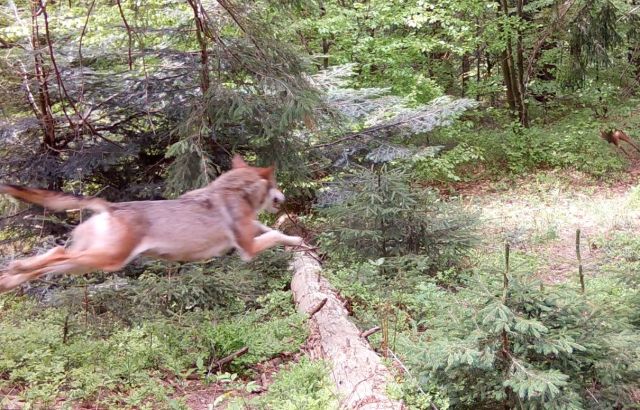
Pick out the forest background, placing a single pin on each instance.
(412, 139)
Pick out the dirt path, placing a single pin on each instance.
(539, 215)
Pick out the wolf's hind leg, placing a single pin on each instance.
(34, 262)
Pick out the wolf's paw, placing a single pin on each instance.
(8, 282)
(295, 241)
(245, 256)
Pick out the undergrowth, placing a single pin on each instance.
(479, 343)
(571, 140)
(127, 347)
(302, 385)
(472, 330)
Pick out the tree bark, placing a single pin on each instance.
(466, 66)
(506, 74)
(325, 41)
(513, 74)
(44, 98)
(358, 372)
(522, 105)
(202, 43)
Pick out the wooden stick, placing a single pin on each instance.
(580, 273)
(369, 332)
(318, 307)
(505, 274)
(229, 359)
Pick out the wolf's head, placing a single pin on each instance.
(273, 198)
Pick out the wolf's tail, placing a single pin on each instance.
(57, 201)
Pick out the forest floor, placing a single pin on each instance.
(539, 214)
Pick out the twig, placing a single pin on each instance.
(229, 9)
(580, 273)
(126, 24)
(369, 332)
(229, 359)
(54, 63)
(27, 88)
(318, 307)
(80, 56)
(505, 274)
(305, 248)
(632, 11)
(58, 75)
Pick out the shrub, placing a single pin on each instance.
(380, 215)
(522, 345)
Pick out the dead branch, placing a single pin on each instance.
(231, 357)
(318, 307)
(369, 332)
(126, 25)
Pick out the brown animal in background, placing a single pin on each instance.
(615, 136)
(200, 224)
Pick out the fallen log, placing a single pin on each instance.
(358, 372)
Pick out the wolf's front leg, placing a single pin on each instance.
(261, 228)
(269, 240)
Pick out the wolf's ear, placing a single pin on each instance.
(266, 173)
(238, 162)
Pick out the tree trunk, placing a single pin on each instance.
(45, 113)
(466, 66)
(522, 106)
(506, 74)
(325, 41)
(358, 372)
(202, 43)
(478, 61)
(514, 73)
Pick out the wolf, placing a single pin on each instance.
(198, 225)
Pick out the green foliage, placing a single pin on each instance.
(157, 289)
(303, 385)
(381, 215)
(415, 398)
(70, 354)
(446, 167)
(533, 347)
(138, 113)
(594, 36)
(572, 143)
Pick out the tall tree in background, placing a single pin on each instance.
(423, 49)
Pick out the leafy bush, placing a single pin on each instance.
(571, 142)
(446, 167)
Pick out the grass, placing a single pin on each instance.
(302, 385)
(58, 355)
